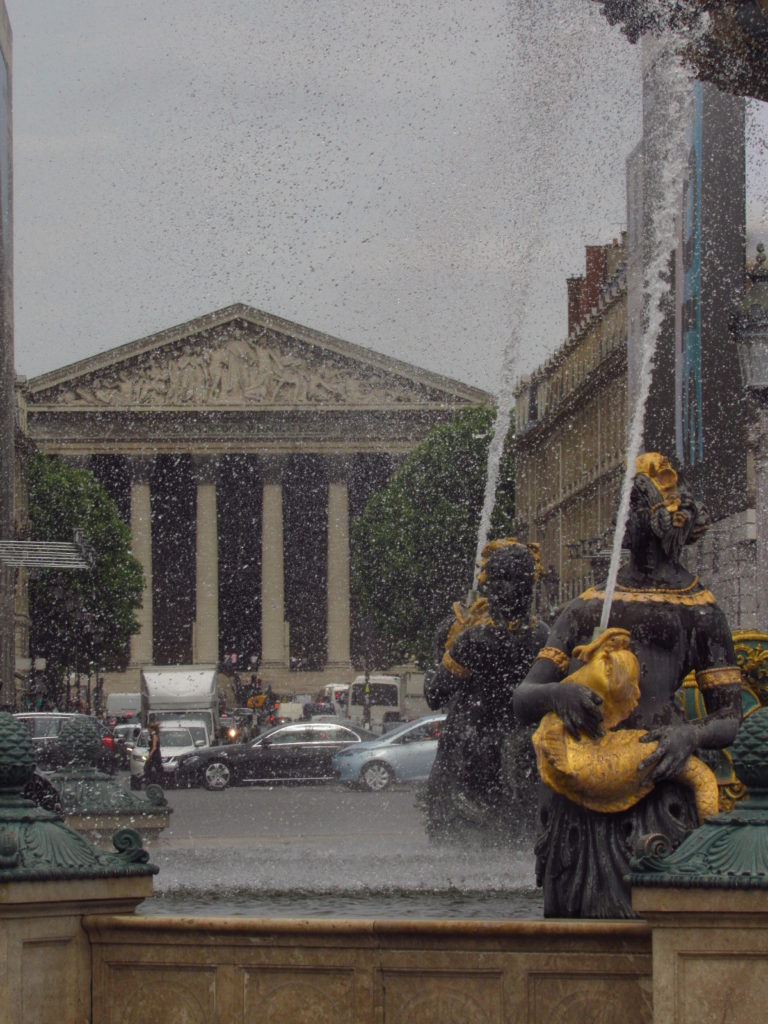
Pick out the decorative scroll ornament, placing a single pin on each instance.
(35, 844)
(730, 850)
(751, 649)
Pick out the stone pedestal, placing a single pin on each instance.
(710, 954)
(50, 877)
(707, 902)
(46, 975)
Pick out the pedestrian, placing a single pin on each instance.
(367, 701)
(153, 766)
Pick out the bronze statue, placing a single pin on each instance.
(673, 626)
(483, 653)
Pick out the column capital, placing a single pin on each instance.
(272, 468)
(205, 469)
(140, 468)
(338, 468)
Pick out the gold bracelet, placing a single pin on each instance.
(725, 675)
(554, 654)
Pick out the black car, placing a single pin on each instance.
(44, 728)
(295, 752)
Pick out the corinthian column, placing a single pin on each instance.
(141, 544)
(338, 565)
(273, 647)
(206, 635)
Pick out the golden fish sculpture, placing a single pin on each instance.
(601, 774)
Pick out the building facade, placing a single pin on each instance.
(696, 413)
(571, 430)
(7, 389)
(238, 446)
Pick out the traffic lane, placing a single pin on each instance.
(286, 812)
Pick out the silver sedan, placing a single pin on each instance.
(403, 755)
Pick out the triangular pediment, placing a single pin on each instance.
(240, 358)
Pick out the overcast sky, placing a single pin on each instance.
(416, 176)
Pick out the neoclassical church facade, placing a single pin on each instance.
(238, 446)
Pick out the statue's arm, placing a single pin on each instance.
(440, 687)
(440, 684)
(542, 690)
(719, 679)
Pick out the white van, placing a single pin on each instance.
(385, 701)
(336, 694)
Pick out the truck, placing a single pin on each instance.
(386, 701)
(181, 691)
(123, 706)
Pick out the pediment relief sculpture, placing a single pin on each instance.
(242, 369)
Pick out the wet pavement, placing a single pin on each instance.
(308, 851)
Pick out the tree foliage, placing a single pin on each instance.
(413, 547)
(80, 618)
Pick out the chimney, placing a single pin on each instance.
(597, 265)
(574, 285)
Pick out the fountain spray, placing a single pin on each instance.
(675, 92)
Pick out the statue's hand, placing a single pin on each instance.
(579, 708)
(472, 649)
(675, 745)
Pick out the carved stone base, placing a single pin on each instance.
(46, 976)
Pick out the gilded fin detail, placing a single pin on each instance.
(602, 773)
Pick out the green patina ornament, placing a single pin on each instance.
(92, 800)
(35, 844)
(79, 741)
(17, 756)
(729, 850)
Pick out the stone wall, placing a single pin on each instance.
(725, 559)
(237, 971)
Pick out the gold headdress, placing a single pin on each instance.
(671, 511)
(658, 470)
(507, 542)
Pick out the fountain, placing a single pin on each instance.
(339, 970)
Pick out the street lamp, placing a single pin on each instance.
(750, 329)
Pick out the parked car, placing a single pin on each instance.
(125, 736)
(44, 728)
(176, 740)
(403, 755)
(296, 752)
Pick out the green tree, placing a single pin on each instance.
(413, 546)
(80, 618)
